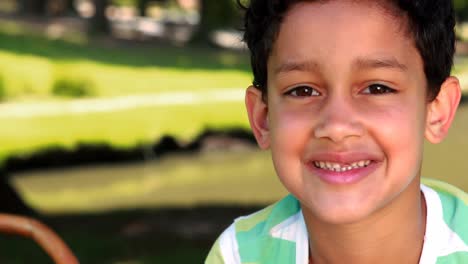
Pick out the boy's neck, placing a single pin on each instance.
(394, 234)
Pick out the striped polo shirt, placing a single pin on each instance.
(278, 234)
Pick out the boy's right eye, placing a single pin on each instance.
(302, 91)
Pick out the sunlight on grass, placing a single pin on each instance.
(25, 75)
(178, 181)
(122, 128)
(32, 76)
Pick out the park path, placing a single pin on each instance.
(99, 105)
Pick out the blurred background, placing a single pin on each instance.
(123, 127)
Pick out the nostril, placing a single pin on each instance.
(338, 130)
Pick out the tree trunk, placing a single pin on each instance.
(32, 7)
(10, 201)
(214, 14)
(99, 25)
(142, 4)
(70, 6)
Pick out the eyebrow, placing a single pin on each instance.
(304, 66)
(359, 63)
(376, 63)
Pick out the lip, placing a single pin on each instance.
(346, 177)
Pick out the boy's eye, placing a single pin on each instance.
(302, 91)
(378, 89)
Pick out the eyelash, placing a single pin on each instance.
(312, 91)
(382, 89)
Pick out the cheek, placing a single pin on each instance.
(290, 128)
(400, 133)
(290, 132)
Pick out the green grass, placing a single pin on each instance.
(121, 128)
(30, 65)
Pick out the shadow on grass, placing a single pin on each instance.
(141, 236)
(102, 153)
(130, 54)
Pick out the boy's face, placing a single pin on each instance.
(347, 90)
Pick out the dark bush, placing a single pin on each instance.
(68, 87)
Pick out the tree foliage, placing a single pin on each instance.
(461, 9)
(216, 14)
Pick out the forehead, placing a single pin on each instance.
(339, 32)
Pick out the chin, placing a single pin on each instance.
(338, 213)
(342, 218)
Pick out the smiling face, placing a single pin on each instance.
(346, 111)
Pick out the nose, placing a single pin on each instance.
(339, 119)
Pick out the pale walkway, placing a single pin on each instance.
(84, 106)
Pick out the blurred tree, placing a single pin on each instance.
(99, 25)
(32, 7)
(45, 7)
(142, 5)
(60, 7)
(215, 14)
(461, 9)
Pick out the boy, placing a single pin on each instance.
(344, 93)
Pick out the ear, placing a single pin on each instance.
(442, 110)
(257, 110)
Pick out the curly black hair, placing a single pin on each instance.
(431, 23)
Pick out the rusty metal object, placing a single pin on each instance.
(43, 235)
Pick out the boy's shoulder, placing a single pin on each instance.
(446, 236)
(444, 188)
(266, 236)
(452, 200)
(277, 233)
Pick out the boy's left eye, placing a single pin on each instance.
(302, 91)
(378, 89)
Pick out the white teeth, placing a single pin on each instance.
(332, 166)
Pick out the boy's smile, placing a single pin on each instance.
(346, 110)
(342, 168)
